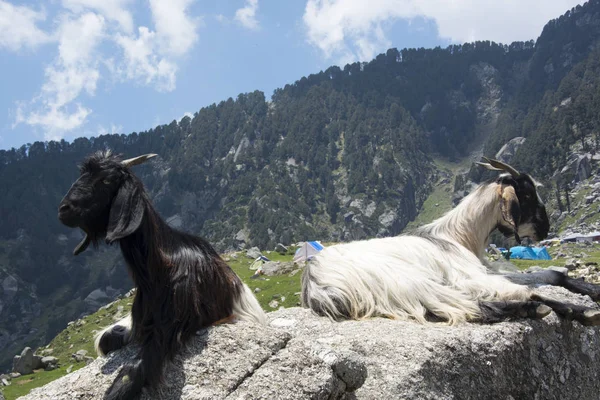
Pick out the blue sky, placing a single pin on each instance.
(75, 68)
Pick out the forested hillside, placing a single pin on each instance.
(339, 155)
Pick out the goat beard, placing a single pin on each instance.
(85, 242)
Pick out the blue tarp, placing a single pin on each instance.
(529, 253)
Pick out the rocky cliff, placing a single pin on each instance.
(301, 356)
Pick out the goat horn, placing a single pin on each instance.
(85, 242)
(488, 166)
(130, 162)
(503, 166)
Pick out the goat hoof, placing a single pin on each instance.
(591, 318)
(541, 311)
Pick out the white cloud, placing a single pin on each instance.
(75, 70)
(175, 29)
(355, 29)
(146, 56)
(114, 10)
(18, 27)
(247, 15)
(142, 64)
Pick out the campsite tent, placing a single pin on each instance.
(307, 250)
(529, 253)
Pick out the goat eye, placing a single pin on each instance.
(106, 182)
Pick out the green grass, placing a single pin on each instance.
(77, 336)
(439, 200)
(279, 287)
(23, 385)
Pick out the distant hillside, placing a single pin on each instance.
(339, 155)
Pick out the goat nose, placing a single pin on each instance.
(64, 207)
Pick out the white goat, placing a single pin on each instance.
(439, 271)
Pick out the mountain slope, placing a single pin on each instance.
(340, 155)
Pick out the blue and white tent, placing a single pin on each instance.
(307, 251)
(529, 253)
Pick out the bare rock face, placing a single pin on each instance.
(508, 151)
(302, 356)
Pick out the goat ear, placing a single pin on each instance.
(511, 209)
(126, 213)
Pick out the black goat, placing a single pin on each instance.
(182, 285)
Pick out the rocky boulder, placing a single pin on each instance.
(281, 249)
(272, 268)
(303, 356)
(49, 363)
(508, 151)
(23, 364)
(578, 168)
(253, 253)
(96, 299)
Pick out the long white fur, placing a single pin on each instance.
(440, 271)
(245, 308)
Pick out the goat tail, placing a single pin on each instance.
(247, 308)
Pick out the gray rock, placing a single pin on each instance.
(242, 236)
(49, 360)
(96, 299)
(562, 270)
(578, 168)
(273, 304)
(14, 375)
(589, 199)
(1, 396)
(303, 356)
(5, 382)
(37, 362)
(508, 151)
(253, 253)
(572, 264)
(272, 268)
(23, 364)
(281, 249)
(10, 287)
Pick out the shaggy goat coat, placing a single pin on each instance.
(182, 284)
(438, 271)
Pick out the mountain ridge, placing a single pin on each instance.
(340, 155)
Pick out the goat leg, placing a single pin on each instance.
(498, 311)
(585, 315)
(555, 278)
